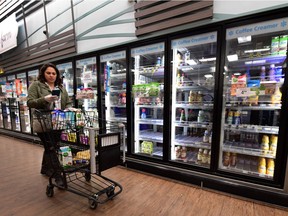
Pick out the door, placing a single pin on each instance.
(255, 61)
(148, 99)
(193, 82)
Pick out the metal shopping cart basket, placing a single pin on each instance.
(80, 151)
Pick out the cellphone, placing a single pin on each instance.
(56, 92)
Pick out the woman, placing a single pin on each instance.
(40, 97)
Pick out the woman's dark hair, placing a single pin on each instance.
(41, 76)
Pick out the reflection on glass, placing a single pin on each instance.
(253, 76)
(66, 73)
(32, 76)
(148, 92)
(86, 81)
(193, 80)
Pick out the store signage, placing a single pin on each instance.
(257, 28)
(113, 56)
(88, 61)
(8, 33)
(194, 40)
(64, 66)
(155, 48)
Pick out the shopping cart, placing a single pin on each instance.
(87, 151)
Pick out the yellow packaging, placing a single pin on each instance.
(270, 167)
(262, 165)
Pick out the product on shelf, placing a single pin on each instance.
(270, 167)
(226, 159)
(265, 145)
(273, 144)
(262, 165)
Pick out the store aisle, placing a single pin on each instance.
(23, 192)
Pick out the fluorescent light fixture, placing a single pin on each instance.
(244, 39)
(186, 68)
(191, 62)
(255, 62)
(256, 50)
(207, 59)
(208, 76)
(232, 57)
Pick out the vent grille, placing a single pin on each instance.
(152, 16)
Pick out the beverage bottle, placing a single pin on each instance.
(182, 79)
(178, 152)
(263, 73)
(206, 136)
(262, 165)
(184, 153)
(233, 159)
(191, 97)
(199, 155)
(272, 72)
(237, 118)
(273, 144)
(178, 79)
(143, 114)
(200, 117)
(265, 145)
(158, 63)
(209, 157)
(270, 167)
(182, 116)
(230, 117)
(226, 159)
(210, 138)
(205, 156)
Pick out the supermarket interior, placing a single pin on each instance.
(188, 94)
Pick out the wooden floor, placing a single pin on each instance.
(23, 192)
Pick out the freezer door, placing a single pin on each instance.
(253, 77)
(148, 99)
(113, 81)
(193, 81)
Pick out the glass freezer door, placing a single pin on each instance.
(2, 99)
(113, 70)
(193, 81)
(32, 76)
(22, 93)
(148, 96)
(253, 76)
(13, 102)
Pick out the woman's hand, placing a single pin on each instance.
(51, 98)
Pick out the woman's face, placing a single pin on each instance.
(50, 75)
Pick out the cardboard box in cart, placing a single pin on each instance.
(65, 156)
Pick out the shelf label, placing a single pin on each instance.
(113, 56)
(155, 48)
(257, 28)
(194, 40)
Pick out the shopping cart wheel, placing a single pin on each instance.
(50, 190)
(111, 191)
(87, 176)
(93, 201)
